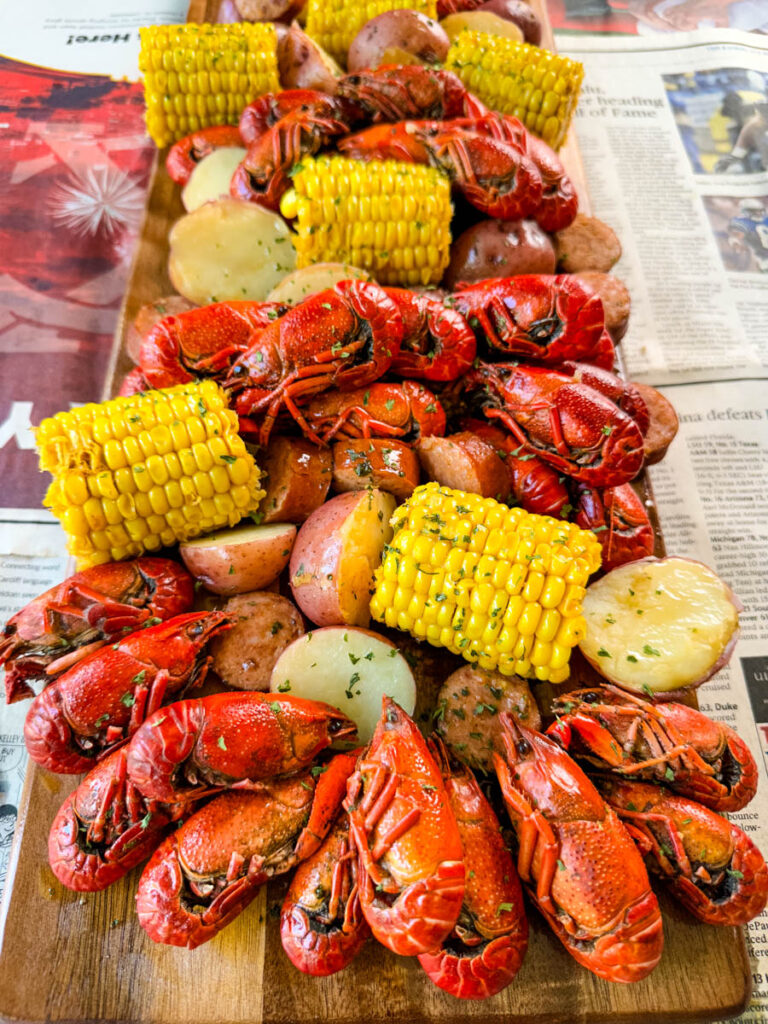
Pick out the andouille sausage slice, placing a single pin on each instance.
(586, 244)
(466, 463)
(298, 478)
(264, 625)
(663, 424)
(375, 462)
(614, 295)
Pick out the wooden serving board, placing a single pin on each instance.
(67, 957)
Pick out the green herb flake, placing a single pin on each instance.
(220, 743)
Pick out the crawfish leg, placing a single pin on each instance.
(535, 831)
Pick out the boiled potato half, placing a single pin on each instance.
(211, 177)
(480, 21)
(229, 249)
(242, 559)
(352, 669)
(658, 625)
(306, 281)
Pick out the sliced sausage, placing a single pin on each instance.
(264, 625)
(663, 424)
(465, 462)
(298, 478)
(615, 298)
(375, 462)
(467, 711)
(586, 244)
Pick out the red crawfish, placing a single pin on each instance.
(187, 153)
(576, 859)
(134, 382)
(201, 342)
(438, 343)
(77, 616)
(206, 873)
(396, 93)
(105, 828)
(322, 927)
(103, 699)
(535, 486)
(622, 393)
(411, 871)
(669, 743)
(344, 337)
(228, 740)
(546, 317)
(486, 948)
(709, 864)
(264, 174)
(619, 520)
(406, 410)
(569, 425)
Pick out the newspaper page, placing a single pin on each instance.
(75, 170)
(673, 131)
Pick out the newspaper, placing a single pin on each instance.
(673, 137)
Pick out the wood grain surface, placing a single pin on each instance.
(67, 957)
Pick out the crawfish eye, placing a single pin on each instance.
(523, 747)
(591, 698)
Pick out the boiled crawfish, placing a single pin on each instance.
(77, 616)
(623, 393)
(577, 860)
(669, 743)
(322, 927)
(707, 862)
(407, 410)
(549, 318)
(569, 425)
(395, 93)
(104, 698)
(411, 872)
(620, 521)
(202, 342)
(187, 153)
(105, 828)
(206, 873)
(345, 336)
(438, 343)
(486, 948)
(266, 111)
(228, 740)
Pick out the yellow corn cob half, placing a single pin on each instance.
(140, 473)
(335, 23)
(538, 87)
(390, 218)
(498, 585)
(196, 76)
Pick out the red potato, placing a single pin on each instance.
(663, 427)
(304, 64)
(298, 478)
(375, 462)
(465, 462)
(264, 625)
(481, 21)
(335, 555)
(268, 10)
(148, 316)
(500, 248)
(520, 14)
(398, 37)
(236, 561)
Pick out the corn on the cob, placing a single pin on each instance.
(335, 23)
(136, 474)
(391, 218)
(196, 76)
(495, 584)
(539, 87)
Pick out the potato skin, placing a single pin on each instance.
(615, 298)
(500, 248)
(520, 13)
(409, 31)
(467, 711)
(304, 64)
(227, 564)
(268, 10)
(465, 462)
(587, 244)
(375, 462)
(264, 625)
(663, 426)
(298, 478)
